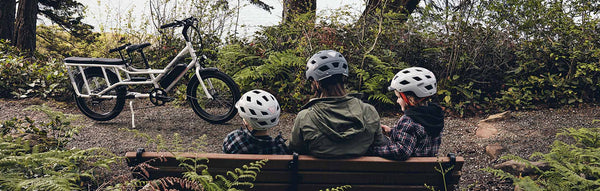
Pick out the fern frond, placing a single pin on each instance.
(242, 185)
(167, 183)
(223, 180)
(53, 183)
(339, 188)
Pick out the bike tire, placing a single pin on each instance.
(97, 108)
(225, 93)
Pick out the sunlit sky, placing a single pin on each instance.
(102, 14)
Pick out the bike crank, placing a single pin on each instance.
(159, 97)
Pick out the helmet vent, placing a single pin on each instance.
(428, 76)
(406, 71)
(324, 57)
(252, 111)
(404, 82)
(243, 110)
(419, 70)
(248, 98)
(273, 120)
(256, 92)
(272, 97)
(313, 61)
(324, 68)
(258, 102)
(264, 113)
(417, 78)
(429, 87)
(262, 123)
(344, 65)
(265, 98)
(335, 64)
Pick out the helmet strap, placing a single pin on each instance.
(410, 103)
(406, 99)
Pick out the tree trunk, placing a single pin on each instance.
(7, 19)
(293, 8)
(405, 7)
(24, 36)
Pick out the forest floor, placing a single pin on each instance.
(524, 133)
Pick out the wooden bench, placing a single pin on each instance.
(293, 172)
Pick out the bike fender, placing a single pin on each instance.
(209, 70)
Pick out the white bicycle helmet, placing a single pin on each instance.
(259, 108)
(324, 64)
(415, 79)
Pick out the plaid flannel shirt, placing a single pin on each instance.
(243, 142)
(408, 138)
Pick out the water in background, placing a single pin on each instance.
(114, 14)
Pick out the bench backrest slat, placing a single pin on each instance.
(364, 173)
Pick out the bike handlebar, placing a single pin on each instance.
(118, 48)
(169, 25)
(185, 22)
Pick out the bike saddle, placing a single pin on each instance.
(134, 47)
(83, 60)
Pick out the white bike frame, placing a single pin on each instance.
(123, 69)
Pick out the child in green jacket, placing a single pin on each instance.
(333, 125)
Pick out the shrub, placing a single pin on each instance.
(21, 78)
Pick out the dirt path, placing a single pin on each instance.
(521, 135)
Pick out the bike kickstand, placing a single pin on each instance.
(132, 115)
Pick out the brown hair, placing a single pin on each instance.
(330, 86)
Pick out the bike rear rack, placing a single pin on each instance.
(125, 76)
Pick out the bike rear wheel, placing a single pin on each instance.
(222, 88)
(97, 108)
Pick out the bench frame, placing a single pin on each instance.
(301, 172)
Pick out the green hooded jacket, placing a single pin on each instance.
(336, 127)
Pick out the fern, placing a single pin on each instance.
(50, 183)
(52, 170)
(169, 182)
(238, 179)
(339, 188)
(572, 166)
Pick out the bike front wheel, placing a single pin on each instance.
(101, 108)
(224, 91)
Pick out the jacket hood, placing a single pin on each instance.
(338, 117)
(430, 116)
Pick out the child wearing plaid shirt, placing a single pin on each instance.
(419, 130)
(260, 112)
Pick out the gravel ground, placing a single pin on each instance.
(523, 134)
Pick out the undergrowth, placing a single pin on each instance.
(34, 157)
(573, 166)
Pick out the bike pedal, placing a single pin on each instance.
(130, 95)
